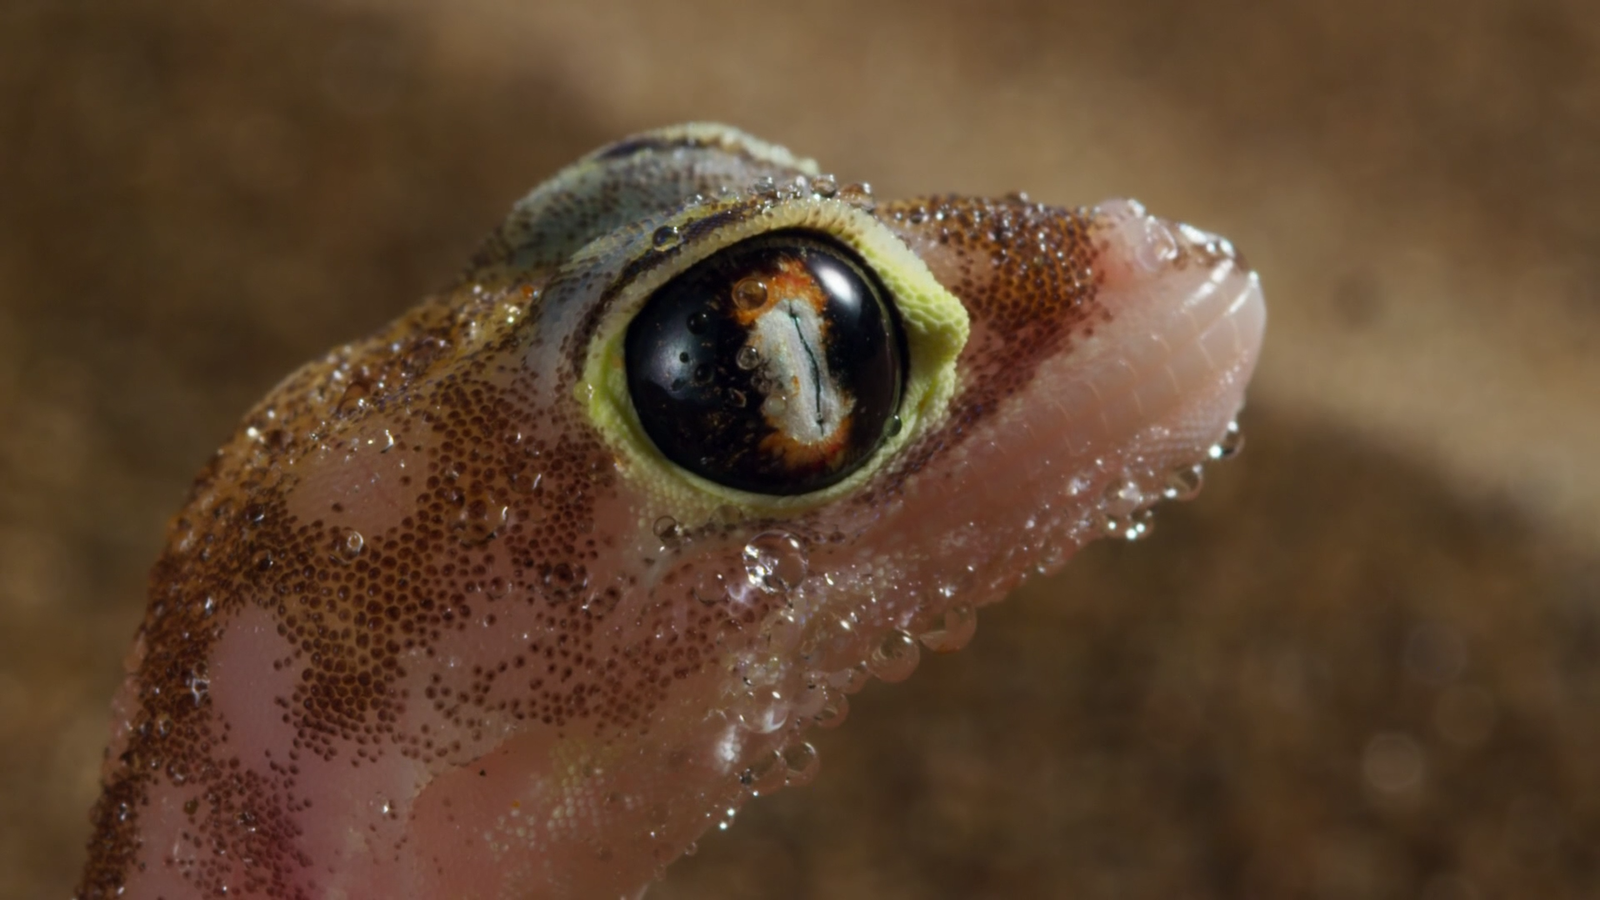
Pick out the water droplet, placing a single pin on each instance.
(1156, 247)
(1122, 497)
(783, 631)
(191, 806)
(736, 398)
(766, 774)
(808, 700)
(208, 606)
(163, 725)
(1230, 445)
(800, 759)
(1019, 197)
(698, 323)
(664, 237)
(177, 771)
(850, 680)
(747, 358)
(960, 624)
(667, 530)
(775, 561)
(710, 586)
(701, 375)
(835, 709)
(1183, 483)
(894, 427)
(762, 711)
(564, 578)
(352, 545)
(750, 294)
(895, 658)
(354, 397)
(1135, 526)
(760, 670)
(764, 185)
(824, 186)
(480, 519)
(199, 688)
(526, 481)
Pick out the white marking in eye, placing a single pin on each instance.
(801, 395)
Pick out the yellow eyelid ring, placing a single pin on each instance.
(934, 322)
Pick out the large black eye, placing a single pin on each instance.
(774, 366)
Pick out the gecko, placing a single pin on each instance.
(522, 594)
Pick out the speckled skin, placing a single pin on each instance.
(429, 626)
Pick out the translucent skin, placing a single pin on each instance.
(425, 629)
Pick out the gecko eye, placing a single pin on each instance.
(773, 366)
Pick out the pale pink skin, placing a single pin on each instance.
(593, 808)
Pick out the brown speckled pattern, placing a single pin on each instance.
(344, 619)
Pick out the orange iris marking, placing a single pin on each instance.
(792, 281)
(826, 454)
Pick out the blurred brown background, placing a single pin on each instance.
(1365, 663)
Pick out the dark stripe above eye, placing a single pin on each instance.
(578, 349)
(660, 143)
(632, 146)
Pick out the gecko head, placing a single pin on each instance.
(818, 430)
(505, 598)
(1029, 378)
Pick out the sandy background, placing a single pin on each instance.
(1366, 663)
